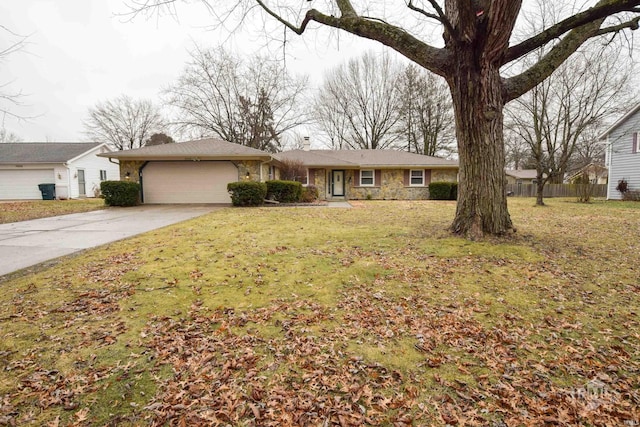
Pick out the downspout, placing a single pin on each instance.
(609, 164)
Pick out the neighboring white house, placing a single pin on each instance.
(74, 169)
(623, 152)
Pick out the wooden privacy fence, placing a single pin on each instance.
(555, 190)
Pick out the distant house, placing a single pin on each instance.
(595, 172)
(623, 152)
(74, 169)
(371, 174)
(199, 171)
(520, 176)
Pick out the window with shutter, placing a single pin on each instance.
(366, 178)
(417, 178)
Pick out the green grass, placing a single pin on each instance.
(268, 316)
(34, 209)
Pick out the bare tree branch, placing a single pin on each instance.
(250, 103)
(632, 25)
(603, 9)
(524, 82)
(359, 103)
(12, 97)
(439, 16)
(123, 122)
(375, 29)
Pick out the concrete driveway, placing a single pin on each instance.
(27, 243)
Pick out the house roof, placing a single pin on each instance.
(620, 121)
(595, 168)
(364, 158)
(202, 149)
(521, 173)
(43, 152)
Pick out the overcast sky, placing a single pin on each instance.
(81, 52)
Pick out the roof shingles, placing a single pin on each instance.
(43, 152)
(365, 158)
(213, 148)
(201, 149)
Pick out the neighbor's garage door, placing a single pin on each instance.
(187, 182)
(23, 184)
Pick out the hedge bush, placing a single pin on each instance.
(443, 191)
(631, 195)
(309, 194)
(284, 191)
(247, 193)
(120, 193)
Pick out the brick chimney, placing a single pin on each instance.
(306, 145)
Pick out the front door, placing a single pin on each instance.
(82, 190)
(337, 182)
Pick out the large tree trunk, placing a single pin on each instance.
(477, 97)
(540, 191)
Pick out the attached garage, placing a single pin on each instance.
(192, 171)
(187, 181)
(23, 183)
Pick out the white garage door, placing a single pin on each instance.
(23, 184)
(188, 182)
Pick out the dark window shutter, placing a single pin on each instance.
(378, 178)
(634, 146)
(312, 177)
(427, 177)
(356, 178)
(407, 178)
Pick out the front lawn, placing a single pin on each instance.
(24, 210)
(320, 316)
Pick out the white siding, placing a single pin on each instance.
(21, 183)
(92, 165)
(622, 162)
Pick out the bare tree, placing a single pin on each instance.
(563, 112)
(123, 122)
(517, 150)
(358, 104)
(330, 120)
(590, 148)
(293, 170)
(250, 103)
(477, 37)
(9, 97)
(8, 136)
(426, 115)
(294, 140)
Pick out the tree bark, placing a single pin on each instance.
(476, 90)
(540, 182)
